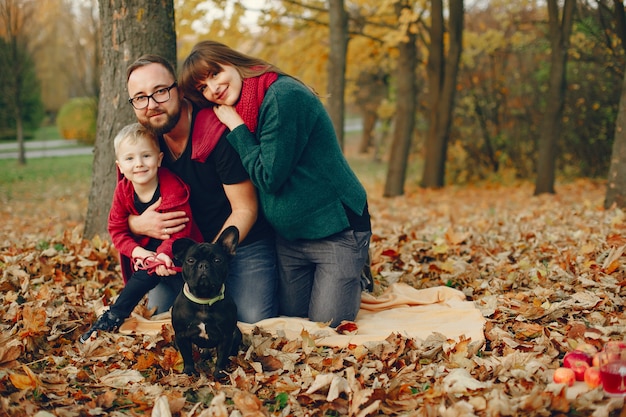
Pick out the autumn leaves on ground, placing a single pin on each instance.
(547, 272)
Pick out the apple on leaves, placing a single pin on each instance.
(578, 361)
(564, 376)
(592, 377)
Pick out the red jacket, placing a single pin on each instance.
(174, 197)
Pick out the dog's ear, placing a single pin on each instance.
(180, 246)
(229, 239)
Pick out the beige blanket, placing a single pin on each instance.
(400, 309)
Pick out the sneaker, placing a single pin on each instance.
(367, 281)
(106, 322)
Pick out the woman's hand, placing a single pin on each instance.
(228, 115)
(156, 224)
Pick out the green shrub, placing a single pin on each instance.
(77, 119)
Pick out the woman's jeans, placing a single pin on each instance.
(321, 279)
(252, 282)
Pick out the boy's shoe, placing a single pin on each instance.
(106, 322)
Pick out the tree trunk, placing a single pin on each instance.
(442, 74)
(337, 65)
(18, 34)
(405, 114)
(616, 184)
(370, 117)
(21, 148)
(560, 30)
(129, 29)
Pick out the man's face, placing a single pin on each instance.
(158, 117)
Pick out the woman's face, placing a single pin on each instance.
(223, 87)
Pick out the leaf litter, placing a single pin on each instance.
(547, 272)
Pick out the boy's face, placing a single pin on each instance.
(139, 160)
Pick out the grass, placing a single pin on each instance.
(44, 133)
(70, 176)
(45, 177)
(47, 133)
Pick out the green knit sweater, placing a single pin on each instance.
(295, 161)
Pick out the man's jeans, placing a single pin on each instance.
(252, 282)
(321, 279)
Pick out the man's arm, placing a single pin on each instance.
(243, 200)
(156, 224)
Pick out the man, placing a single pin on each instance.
(194, 146)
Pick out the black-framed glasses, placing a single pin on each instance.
(159, 96)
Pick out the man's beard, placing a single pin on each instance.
(165, 128)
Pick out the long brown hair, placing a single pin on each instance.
(205, 59)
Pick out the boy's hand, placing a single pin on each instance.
(166, 269)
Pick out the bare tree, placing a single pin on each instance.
(338, 25)
(442, 74)
(129, 29)
(373, 90)
(560, 29)
(15, 16)
(616, 184)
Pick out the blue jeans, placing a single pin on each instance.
(163, 295)
(321, 279)
(252, 282)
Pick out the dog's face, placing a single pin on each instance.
(205, 265)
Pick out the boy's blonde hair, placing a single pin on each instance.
(132, 133)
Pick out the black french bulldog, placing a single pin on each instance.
(202, 314)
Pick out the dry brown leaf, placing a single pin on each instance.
(28, 380)
(546, 272)
(248, 404)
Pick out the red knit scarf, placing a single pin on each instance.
(207, 128)
(252, 95)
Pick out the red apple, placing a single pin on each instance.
(564, 376)
(592, 376)
(576, 356)
(578, 361)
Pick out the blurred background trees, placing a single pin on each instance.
(500, 93)
(19, 87)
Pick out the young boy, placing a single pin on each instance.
(138, 159)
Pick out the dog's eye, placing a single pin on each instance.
(217, 260)
(191, 261)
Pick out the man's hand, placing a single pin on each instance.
(156, 224)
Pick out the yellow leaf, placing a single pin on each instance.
(28, 381)
(456, 238)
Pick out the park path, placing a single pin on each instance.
(41, 149)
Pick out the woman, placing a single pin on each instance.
(307, 190)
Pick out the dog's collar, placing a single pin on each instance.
(209, 301)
